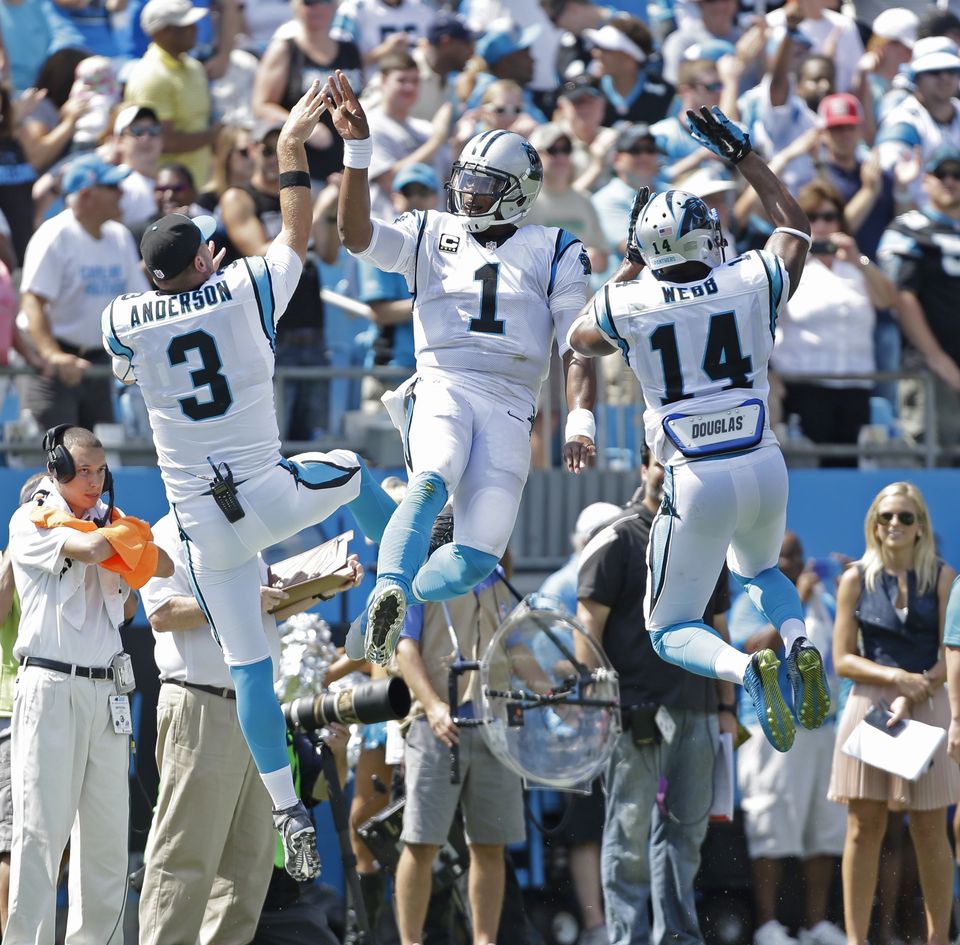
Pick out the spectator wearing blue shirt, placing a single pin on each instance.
(33, 29)
(415, 187)
(784, 795)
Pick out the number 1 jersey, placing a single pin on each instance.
(204, 362)
(482, 313)
(697, 347)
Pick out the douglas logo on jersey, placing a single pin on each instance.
(449, 243)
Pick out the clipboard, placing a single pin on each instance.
(908, 753)
(312, 573)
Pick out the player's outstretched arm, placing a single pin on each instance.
(296, 203)
(712, 129)
(353, 207)
(581, 390)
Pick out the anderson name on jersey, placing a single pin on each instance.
(485, 314)
(204, 362)
(699, 349)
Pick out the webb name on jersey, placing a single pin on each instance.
(699, 349)
(484, 312)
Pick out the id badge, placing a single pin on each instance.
(123, 677)
(666, 724)
(120, 712)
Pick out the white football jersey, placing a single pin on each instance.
(698, 348)
(485, 313)
(204, 362)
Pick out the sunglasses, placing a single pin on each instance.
(316, 3)
(506, 109)
(145, 131)
(559, 149)
(268, 151)
(640, 149)
(947, 174)
(830, 217)
(710, 86)
(905, 518)
(417, 190)
(170, 188)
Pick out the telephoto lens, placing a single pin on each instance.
(379, 701)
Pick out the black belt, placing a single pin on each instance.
(213, 690)
(69, 669)
(94, 354)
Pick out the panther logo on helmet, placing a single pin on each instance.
(676, 227)
(495, 180)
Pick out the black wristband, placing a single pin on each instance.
(294, 179)
(727, 707)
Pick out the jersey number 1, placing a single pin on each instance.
(488, 323)
(207, 375)
(722, 357)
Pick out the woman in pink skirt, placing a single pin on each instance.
(888, 639)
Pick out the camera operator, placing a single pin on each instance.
(651, 844)
(75, 560)
(212, 842)
(490, 796)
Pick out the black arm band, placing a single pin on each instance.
(727, 707)
(294, 179)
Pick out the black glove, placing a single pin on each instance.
(718, 134)
(639, 202)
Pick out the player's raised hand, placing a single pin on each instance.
(577, 453)
(639, 202)
(712, 129)
(348, 116)
(305, 114)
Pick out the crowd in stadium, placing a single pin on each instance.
(117, 114)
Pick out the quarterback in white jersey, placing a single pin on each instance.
(488, 300)
(201, 348)
(698, 333)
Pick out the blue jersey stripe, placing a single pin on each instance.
(263, 291)
(117, 347)
(564, 241)
(775, 287)
(606, 325)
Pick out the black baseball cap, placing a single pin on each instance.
(170, 244)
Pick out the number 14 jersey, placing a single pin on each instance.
(697, 347)
(482, 313)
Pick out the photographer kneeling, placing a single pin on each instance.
(211, 848)
(489, 795)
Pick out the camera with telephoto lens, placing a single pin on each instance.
(379, 701)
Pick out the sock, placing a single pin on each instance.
(452, 570)
(696, 647)
(774, 595)
(373, 507)
(262, 723)
(791, 629)
(406, 539)
(279, 785)
(731, 664)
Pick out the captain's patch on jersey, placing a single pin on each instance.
(585, 262)
(449, 243)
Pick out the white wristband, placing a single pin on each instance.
(799, 234)
(357, 154)
(580, 422)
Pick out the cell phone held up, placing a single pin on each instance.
(823, 248)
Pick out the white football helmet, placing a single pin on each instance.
(676, 227)
(498, 164)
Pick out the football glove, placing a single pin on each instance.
(718, 134)
(639, 202)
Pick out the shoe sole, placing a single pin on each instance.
(301, 859)
(384, 624)
(780, 730)
(811, 695)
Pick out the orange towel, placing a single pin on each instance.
(136, 555)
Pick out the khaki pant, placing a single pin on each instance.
(210, 853)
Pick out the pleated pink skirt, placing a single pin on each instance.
(851, 779)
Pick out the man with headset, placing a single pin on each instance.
(75, 559)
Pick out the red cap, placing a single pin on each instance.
(841, 109)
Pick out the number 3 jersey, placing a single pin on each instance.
(699, 349)
(204, 362)
(485, 314)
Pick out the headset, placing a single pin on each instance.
(61, 467)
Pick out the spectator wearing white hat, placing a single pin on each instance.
(138, 137)
(174, 84)
(888, 49)
(926, 120)
(718, 20)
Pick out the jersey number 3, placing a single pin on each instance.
(207, 375)
(722, 357)
(487, 323)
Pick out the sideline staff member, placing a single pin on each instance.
(74, 562)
